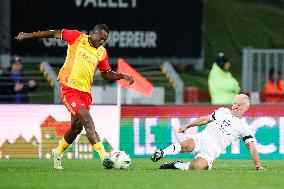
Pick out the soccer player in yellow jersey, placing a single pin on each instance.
(85, 53)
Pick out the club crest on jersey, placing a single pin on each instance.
(71, 81)
(100, 53)
(73, 104)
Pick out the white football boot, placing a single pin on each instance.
(56, 160)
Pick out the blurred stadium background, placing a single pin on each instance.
(171, 43)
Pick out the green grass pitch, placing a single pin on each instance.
(142, 173)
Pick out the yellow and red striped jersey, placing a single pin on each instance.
(81, 61)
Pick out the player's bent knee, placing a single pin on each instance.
(198, 163)
(185, 148)
(187, 145)
(197, 167)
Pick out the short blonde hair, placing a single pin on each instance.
(244, 97)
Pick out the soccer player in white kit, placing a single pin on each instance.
(224, 126)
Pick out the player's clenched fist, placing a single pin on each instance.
(182, 129)
(128, 78)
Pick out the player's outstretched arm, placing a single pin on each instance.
(203, 120)
(40, 34)
(111, 75)
(254, 156)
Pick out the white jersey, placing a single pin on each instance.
(226, 128)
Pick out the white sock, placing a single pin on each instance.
(172, 149)
(182, 166)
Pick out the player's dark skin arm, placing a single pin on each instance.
(40, 34)
(111, 75)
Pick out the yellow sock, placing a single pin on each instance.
(62, 146)
(99, 147)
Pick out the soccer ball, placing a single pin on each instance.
(120, 159)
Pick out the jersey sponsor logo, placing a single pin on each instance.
(222, 127)
(226, 123)
(87, 57)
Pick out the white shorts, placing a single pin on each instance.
(205, 148)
